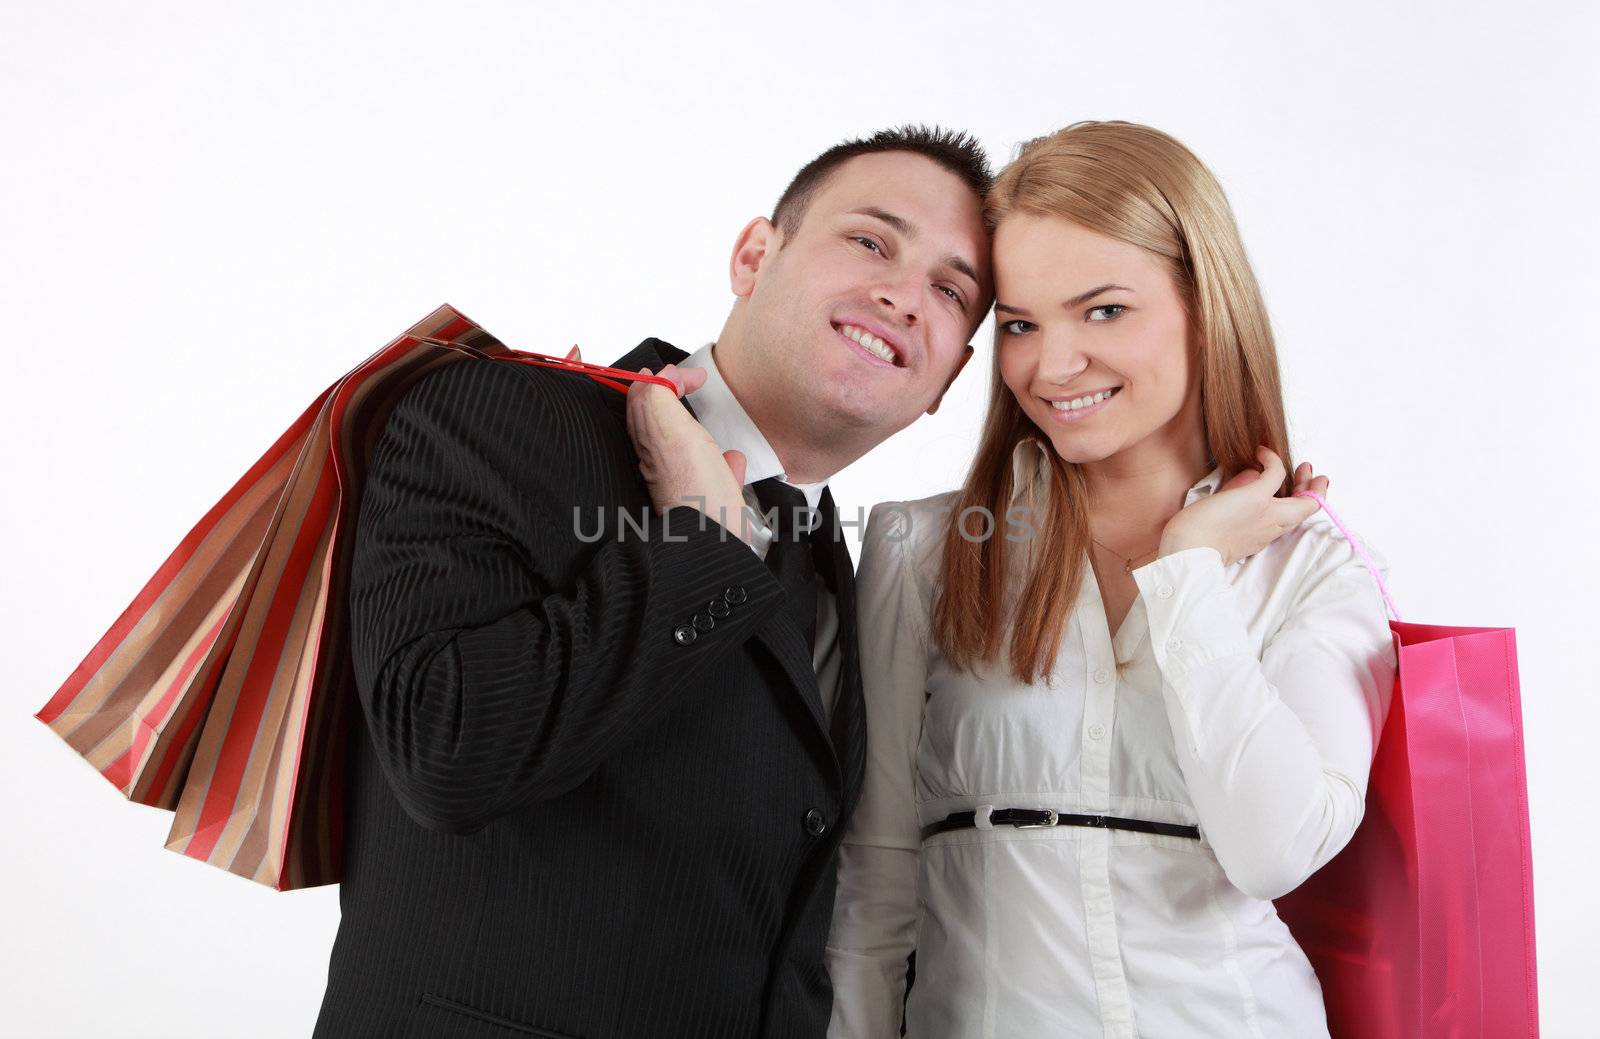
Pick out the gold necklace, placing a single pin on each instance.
(1127, 563)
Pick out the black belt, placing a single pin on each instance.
(1031, 818)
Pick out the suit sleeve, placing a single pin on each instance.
(488, 681)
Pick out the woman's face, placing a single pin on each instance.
(1090, 321)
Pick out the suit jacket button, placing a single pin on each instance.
(704, 622)
(683, 634)
(717, 608)
(734, 594)
(816, 824)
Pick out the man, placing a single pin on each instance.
(605, 764)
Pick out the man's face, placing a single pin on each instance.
(863, 315)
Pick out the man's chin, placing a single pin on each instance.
(850, 407)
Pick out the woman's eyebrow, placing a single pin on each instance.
(1079, 299)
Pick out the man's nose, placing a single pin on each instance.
(899, 299)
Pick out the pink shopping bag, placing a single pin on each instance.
(1422, 926)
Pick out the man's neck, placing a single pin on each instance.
(805, 460)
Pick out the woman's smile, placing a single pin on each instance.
(1076, 409)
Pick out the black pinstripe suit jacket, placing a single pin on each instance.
(561, 819)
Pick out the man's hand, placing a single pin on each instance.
(679, 460)
(1244, 515)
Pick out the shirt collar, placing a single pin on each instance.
(734, 430)
(1030, 473)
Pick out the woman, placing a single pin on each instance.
(1109, 727)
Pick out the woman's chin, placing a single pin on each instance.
(1080, 448)
(1083, 457)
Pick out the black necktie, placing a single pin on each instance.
(795, 553)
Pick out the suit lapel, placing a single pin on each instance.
(787, 643)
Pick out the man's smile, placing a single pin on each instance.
(874, 343)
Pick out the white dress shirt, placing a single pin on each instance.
(720, 412)
(1244, 700)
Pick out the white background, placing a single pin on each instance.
(210, 211)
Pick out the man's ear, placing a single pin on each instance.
(755, 243)
(966, 355)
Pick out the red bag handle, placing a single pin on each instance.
(605, 376)
(616, 378)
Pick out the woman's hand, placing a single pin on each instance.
(680, 461)
(1244, 516)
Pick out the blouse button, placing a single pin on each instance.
(1101, 675)
(1164, 592)
(1097, 731)
(1173, 645)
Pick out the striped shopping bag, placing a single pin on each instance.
(222, 691)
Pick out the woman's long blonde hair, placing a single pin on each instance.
(1140, 186)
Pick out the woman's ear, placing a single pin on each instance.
(755, 243)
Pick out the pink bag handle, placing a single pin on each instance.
(1372, 568)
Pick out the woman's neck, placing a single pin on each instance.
(1138, 490)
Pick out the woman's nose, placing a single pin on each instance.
(1061, 357)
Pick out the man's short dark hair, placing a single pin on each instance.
(956, 151)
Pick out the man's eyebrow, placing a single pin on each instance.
(1080, 298)
(899, 223)
(956, 263)
(909, 230)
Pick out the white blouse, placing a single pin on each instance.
(1244, 700)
